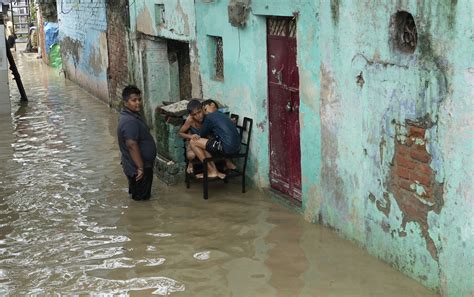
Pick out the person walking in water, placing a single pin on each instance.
(137, 146)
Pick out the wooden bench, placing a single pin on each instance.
(245, 132)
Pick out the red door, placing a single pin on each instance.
(283, 107)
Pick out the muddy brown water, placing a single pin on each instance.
(67, 226)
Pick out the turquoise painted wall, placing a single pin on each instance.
(83, 37)
(170, 19)
(153, 23)
(356, 95)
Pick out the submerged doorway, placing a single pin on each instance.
(283, 106)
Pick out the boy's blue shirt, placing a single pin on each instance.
(223, 129)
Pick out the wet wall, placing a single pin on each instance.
(386, 147)
(153, 24)
(4, 86)
(83, 37)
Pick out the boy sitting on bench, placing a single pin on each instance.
(226, 139)
(191, 126)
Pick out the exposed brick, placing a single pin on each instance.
(403, 150)
(428, 193)
(420, 147)
(405, 184)
(424, 169)
(422, 179)
(403, 172)
(416, 132)
(404, 162)
(411, 209)
(420, 156)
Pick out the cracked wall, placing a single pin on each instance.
(400, 131)
(170, 19)
(83, 38)
(407, 201)
(155, 27)
(118, 23)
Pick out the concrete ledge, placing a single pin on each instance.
(168, 171)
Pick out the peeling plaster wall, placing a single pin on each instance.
(83, 37)
(244, 88)
(148, 32)
(178, 22)
(118, 40)
(361, 100)
(370, 96)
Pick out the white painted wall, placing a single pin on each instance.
(4, 88)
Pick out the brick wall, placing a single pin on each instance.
(413, 183)
(42, 45)
(117, 43)
(413, 174)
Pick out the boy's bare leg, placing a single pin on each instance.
(198, 147)
(229, 164)
(190, 155)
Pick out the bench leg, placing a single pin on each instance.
(205, 181)
(186, 180)
(244, 175)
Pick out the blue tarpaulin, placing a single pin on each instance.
(51, 35)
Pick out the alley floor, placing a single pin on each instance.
(68, 227)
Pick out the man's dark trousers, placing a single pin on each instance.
(141, 189)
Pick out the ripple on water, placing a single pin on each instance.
(57, 226)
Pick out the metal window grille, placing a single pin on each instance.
(284, 27)
(219, 62)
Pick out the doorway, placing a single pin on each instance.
(283, 106)
(180, 73)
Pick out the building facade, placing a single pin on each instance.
(363, 118)
(362, 109)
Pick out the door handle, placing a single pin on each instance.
(288, 106)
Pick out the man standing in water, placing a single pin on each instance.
(136, 144)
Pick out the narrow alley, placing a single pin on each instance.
(68, 227)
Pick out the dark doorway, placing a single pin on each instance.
(180, 73)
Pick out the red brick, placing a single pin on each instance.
(422, 179)
(403, 172)
(409, 141)
(412, 209)
(420, 156)
(428, 193)
(402, 150)
(404, 162)
(424, 169)
(420, 147)
(405, 184)
(416, 132)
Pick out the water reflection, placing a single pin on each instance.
(67, 225)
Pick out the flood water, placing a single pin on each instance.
(68, 227)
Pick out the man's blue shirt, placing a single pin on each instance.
(132, 126)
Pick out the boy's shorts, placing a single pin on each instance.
(214, 147)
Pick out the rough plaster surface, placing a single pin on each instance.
(356, 91)
(82, 32)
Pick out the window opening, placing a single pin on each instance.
(404, 33)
